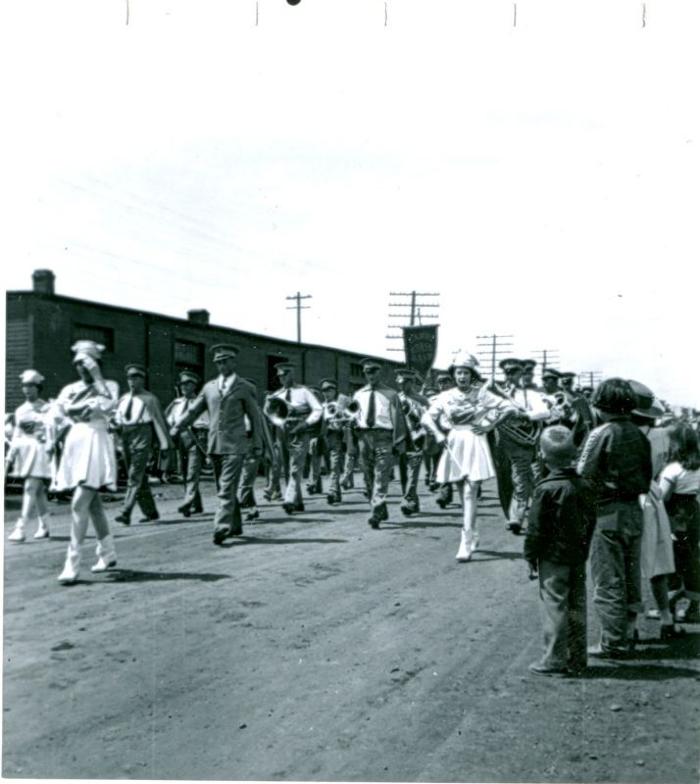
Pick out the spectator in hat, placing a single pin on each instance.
(140, 421)
(88, 461)
(560, 526)
(382, 434)
(228, 399)
(616, 458)
(413, 405)
(29, 457)
(191, 443)
(657, 561)
(302, 411)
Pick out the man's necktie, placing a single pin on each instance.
(288, 395)
(371, 410)
(129, 407)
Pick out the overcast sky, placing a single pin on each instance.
(543, 178)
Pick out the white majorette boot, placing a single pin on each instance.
(17, 534)
(465, 551)
(42, 532)
(71, 567)
(106, 555)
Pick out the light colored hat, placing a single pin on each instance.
(31, 377)
(86, 348)
(464, 359)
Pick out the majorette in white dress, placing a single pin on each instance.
(88, 453)
(466, 454)
(31, 441)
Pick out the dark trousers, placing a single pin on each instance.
(137, 442)
(192, 449)
(563, 603)
(409, 472)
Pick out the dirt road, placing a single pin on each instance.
(314, 648)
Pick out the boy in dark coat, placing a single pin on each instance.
(560, 526)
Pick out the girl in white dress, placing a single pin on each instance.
(469, 410)
(88, 462)
(30, 455)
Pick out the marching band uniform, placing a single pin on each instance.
(316, 453)
(583, 420)
(334, 424)
(382, 430)
(29, 455)
(469, 412)
(251, 464)
(191, 443)
(228, 399)
(413, 405)
(139, 416)
(352, 448)
(305, 411)
(88, 461)
(530, 404)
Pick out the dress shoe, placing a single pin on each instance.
(288, 508)
(149, 518)
(555, 672)
(299, 507)
(220, 535)
(103, 564)
(184, 510)
(374, 521)
(515, 528)
(347, 484)
(670, 632)
(332, 499)
(123, 518)
(254, 515)
(612, 654)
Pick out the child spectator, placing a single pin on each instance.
(560, 526)
(680, 489)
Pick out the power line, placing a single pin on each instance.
(493, 347)
(299, 307)
(412, 308)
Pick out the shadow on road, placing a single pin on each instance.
(496, 555)
(137, 576)
(638, 672)
(241, 540)
(686, 647)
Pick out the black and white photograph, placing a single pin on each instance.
(352, 392)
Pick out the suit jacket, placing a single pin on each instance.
(227, 429)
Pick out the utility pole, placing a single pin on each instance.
(299, 307)
(594, 377)
(491, 347)
(546, 356)
(411, 305)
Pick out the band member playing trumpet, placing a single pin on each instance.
(470, 410)
(517, 438)
(583, 420)
(191, 443)
(382, 433)
(301, 410)
(560, 411)
(336, 419)
(413, 405)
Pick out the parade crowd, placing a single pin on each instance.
(603, 477)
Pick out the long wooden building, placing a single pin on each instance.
(43, 325)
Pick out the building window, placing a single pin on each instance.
(189, 353)
(103, 335)
(355, 369)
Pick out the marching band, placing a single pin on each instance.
(462, 428)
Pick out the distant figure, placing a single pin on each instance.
(559, 531)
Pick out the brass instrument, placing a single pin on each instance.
(413, 413)
(341, 413)
(516, 426)
(281, 414)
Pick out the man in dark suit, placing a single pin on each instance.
(229, 399)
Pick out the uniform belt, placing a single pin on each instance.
(376, 429)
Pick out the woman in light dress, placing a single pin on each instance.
(88, 462)
(30, 456)
(469, 410)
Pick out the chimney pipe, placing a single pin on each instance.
(198, 316)
(43, 281)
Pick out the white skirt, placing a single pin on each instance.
(88, 458)
(465, 455)
(30, 458)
